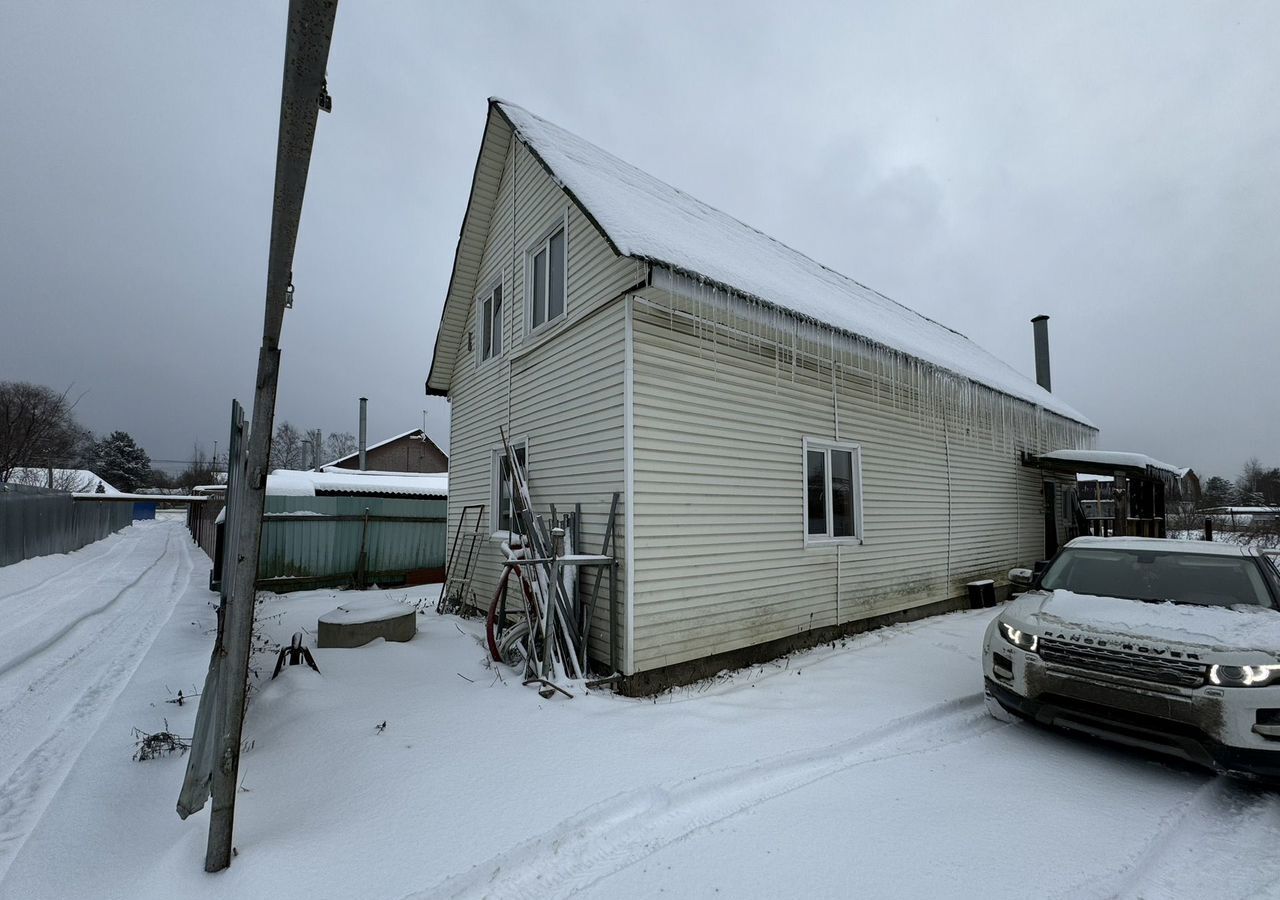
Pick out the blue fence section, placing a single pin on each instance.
(37, 521)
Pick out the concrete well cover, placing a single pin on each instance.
(358, 622)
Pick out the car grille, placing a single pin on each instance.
(1183, 673)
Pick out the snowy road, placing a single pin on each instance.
(73, 628)
(864, 769)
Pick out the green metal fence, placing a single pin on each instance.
(319, 540)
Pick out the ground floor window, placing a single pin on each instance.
(832, 492)
(503, 502)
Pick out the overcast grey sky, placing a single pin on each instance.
(1116, 166)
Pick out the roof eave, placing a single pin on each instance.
(437, 390)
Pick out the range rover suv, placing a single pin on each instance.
(1173, 646)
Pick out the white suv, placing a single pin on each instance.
(1169, 645)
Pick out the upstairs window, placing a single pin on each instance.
(545, 278)
(489, 324)
(832, 492)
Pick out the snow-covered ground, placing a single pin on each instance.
(868, 768)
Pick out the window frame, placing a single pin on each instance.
(486, 297)
(543, 242)
(826, 446)
(496, 453)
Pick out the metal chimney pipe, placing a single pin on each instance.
(364, 431)
(1040, 324)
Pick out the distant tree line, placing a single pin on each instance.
(1256, 485)
(39, 432)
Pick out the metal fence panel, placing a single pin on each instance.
(321, 537)
(37, 521)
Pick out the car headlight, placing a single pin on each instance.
(1243, 676)
(1023, 640)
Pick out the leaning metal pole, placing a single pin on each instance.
(306, 54)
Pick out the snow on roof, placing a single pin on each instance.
(1244, 510)
(1116, 458)
(74, 480)
(1085, 476)
(290, 483)
(120, 496)
(648, 219)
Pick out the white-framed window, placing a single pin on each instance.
(489, 324)
(545, 276)
(832, 492)
(503, 517)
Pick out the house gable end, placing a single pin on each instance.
(477, 242)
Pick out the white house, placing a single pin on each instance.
(797, 454)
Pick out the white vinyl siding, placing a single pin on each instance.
(561, 389)
(720, 552)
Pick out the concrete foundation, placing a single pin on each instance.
(657, 680)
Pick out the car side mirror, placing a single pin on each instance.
(1021, 577)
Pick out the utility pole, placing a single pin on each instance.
(303, 95)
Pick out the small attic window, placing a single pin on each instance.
(545, 268)
(489, 324)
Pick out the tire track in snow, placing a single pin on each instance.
(64, 574)
(610, 836)
(96, 674)
(47, 603)
(1226, 830)
(43, 645)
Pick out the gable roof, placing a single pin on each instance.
(647, 219)
(412, 432)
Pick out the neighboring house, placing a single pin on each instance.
(797, 455)
(80, 481)
(412, 451)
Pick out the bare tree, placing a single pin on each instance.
(341, 443)
(1259, 485)
(286, 447)
(37, 428)
(199, 470)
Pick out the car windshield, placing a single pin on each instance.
(1158, 576)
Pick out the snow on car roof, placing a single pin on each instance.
(646, 218)
(1161, 545)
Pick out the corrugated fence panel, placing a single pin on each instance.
(37, 522)
(321, 537)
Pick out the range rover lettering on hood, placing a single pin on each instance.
(1120, 644)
